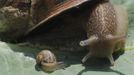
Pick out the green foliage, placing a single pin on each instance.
(16, 60)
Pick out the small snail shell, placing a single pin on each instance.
(47, 61)
(46, 56)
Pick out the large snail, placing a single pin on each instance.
(106, 30)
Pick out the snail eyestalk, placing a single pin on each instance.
(89, 41)
(110, 57)
(86, 57)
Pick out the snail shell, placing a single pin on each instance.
(46, 56)
(47, 61)
(57, 10)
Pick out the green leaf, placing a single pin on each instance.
(15, 60)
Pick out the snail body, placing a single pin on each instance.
(50, 67)
(105, 31)
(47, 61)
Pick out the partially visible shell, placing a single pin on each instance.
(56, 10)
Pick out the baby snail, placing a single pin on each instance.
(47, 62)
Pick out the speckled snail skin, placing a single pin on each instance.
(47, 61)
(106, 30)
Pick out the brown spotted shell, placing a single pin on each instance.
(46, 61)
(45, 56)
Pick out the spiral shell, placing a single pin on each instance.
(47, 61)
(45, 56)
